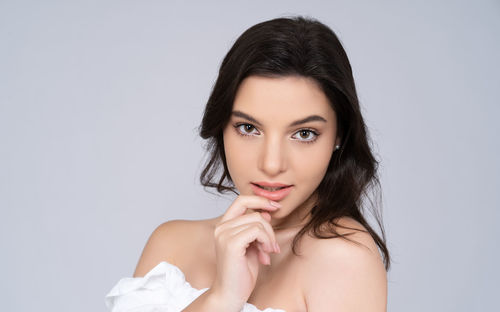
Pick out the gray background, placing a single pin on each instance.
(99, 104)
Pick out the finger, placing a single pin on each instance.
(267, 247)
(262, 255)
(264, 258)
(251, 218)
(244, 202)
(249, 234)
(266, 216)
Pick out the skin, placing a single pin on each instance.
(244, 264)
(262, 145)
(272, 150)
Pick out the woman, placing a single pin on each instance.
(286, 135)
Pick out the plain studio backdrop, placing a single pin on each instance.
(100, 103)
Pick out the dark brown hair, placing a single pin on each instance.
(305, 47)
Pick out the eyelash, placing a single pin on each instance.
(316, 134)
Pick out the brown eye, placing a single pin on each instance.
(306, 135)
(248, 128)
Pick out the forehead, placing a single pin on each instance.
(282, 98)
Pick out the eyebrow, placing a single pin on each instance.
(295, 123)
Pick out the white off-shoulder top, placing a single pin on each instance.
(163, 289)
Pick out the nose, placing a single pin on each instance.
(272, 158)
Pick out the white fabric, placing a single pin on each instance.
(163, 289)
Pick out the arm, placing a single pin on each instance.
(209, 302)
(163, 245)
(344, 276)
(160, 246)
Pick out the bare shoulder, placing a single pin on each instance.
(342, 275)
(168, 241)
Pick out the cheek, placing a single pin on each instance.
(314, 164)
(239, 157)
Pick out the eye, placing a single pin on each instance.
(306, 135)
(245, 129)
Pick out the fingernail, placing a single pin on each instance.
(266, 216)
(270, 248)
(277, 247)
(274, 204)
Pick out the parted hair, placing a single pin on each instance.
(304, 47)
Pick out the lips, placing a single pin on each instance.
(272, 191)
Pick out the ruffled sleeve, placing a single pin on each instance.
(163, 289)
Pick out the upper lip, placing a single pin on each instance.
(271, 184)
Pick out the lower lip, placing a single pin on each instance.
(272, 195)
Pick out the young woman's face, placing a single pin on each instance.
(282, 130)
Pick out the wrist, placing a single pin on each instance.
(218, 301)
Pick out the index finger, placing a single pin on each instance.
(244, 202)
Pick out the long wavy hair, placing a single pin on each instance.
(304, 47)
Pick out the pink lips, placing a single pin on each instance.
(272, 195)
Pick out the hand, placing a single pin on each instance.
(241, 242)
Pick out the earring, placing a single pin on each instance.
(337, 147)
